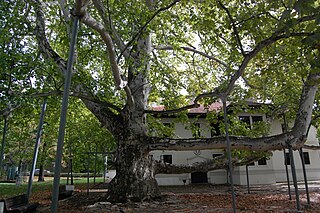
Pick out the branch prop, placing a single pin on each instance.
(80, 10)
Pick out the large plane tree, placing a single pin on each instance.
(180, 54)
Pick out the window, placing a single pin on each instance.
(216, 155)
(287, 159)
(256, 119)
(262, 161)
(284, 128)
(215, 130)
(167, 132)
(245, 119)
(306, 157)
(250, 120)
(166, 159)
(196, 130)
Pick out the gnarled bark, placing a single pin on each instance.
(276, 142)
(135, 178)
(220, 162)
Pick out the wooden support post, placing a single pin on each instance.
(304, 175)
(248, 183)
(294, 177)
(229, 155)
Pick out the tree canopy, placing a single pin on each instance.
(180, 54)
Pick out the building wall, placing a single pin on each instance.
(313, 169)
(273, 172)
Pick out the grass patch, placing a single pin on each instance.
(11, 189)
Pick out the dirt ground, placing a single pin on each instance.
(193, 198)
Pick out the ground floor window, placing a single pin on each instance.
(199, 177)
(305, 157)
(287, 159)
(216, 155)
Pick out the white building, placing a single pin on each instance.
(265, 171)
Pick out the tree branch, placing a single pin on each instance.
(145, 25)
(166, 112)
(249, 84)
(43, 43)
(105, 115)
(80, 95)
(304, 114)
(97, 26)
(66, 14)
(204, 166)
(271, 143)
(234, 27)
(255, 16)
(296, 138)
(108, 22)
(310, 147)
(253, 53)
(220, 162)
(194, 51)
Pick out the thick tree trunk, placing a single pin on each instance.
(135, 178)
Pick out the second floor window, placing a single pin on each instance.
(305, 157)
(166, 159)
(196, 130)
(262, 161)
(167, 131)
(250, 120)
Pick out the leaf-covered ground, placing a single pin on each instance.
(194, 198)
